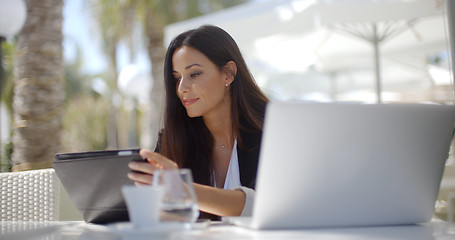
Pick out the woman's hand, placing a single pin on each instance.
(213, 200)
(144, 174)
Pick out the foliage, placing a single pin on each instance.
(84, 124)
(7, 85)
(8, 58)
(86, 112)
(77, 83)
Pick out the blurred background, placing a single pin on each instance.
(82, 75)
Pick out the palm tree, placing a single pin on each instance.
(39, 86)
(9, 55)
(154, 15)
(115, 20)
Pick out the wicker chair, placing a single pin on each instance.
(29, 196)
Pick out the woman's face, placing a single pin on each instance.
(200, 84)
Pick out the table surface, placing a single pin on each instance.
(436, 229)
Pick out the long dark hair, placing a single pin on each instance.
(187, 140)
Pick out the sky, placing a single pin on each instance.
(80, 30)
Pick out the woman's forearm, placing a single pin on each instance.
(219, 201)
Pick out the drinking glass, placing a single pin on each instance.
(179, 201)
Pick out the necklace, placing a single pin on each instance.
(223, 146)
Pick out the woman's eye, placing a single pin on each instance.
(196, 74)
(177, 79)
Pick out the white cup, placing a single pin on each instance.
(144, 204)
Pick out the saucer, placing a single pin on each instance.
(159, 231)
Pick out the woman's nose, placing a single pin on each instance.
(183, 86)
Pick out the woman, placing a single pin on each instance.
(213, 121)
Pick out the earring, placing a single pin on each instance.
(227, 84)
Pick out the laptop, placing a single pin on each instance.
(93, 181)
(349, 164)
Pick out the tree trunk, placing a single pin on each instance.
(153, 119)
(39, 87)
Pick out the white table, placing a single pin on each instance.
(436, 229)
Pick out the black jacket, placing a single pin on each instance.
(248, 158)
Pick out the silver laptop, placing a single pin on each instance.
(343, 164)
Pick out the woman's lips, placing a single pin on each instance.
(187, 102)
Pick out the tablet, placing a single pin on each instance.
(94, 154)
(93, 181)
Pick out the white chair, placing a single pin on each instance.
(29, 196)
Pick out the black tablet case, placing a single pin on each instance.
(93, 181)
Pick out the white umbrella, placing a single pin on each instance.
(330, 35)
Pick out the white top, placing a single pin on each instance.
(232, 181)
(233, 174)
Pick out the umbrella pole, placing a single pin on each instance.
(377, 65)
(451, 21)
